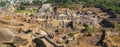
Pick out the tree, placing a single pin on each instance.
(2, 4)
(25, 3)
(51, 1)
(55, 10)
(37, 2)
(107, 5)
(21, 7)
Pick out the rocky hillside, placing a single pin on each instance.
(65, 27)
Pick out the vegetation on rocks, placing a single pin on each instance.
(9, 46)
(25, 3)
(87, 28)
(21, 7)
(71, 34)
(37, 2)
(107, 5)
(117, 26)
(27, 11)
(2, 4)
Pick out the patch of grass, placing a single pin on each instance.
(9, 46)
(27, 11)
(117, 26)
(72, 7)
(62, 42)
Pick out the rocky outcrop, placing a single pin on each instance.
(39, 43)
(6, 35)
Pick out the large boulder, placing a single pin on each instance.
(6, 35)
(42, 32)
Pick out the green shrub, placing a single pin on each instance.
(117, 26)
(21, 7)
(2, 4)
(9, 46)
(66, 5)
(25, 3)
(72, 7)
(88, 28)
(71, 34)
(37, 2)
